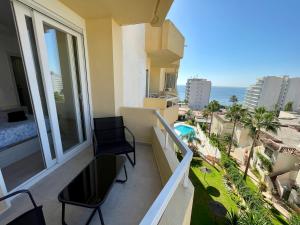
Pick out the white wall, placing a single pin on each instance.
(199, 93)
(293, 94)
(134, 65)
(8, 93)
(270, 92)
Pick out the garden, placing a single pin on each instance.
(222, 196)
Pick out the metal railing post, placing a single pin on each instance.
(166, 139)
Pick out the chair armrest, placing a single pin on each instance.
(133, 138)
(19, 192)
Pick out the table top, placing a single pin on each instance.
(91, 186)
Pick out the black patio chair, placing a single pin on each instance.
(34, 216)
(110, 138)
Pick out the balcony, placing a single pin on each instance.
(124, 12)
(168, 106)
(164, 45)
(157, 190)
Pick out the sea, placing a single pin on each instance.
(221, 94)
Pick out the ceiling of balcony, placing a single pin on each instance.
(163, 58)
(124, 12)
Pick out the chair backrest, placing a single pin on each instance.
(109, 130)
(34, 216)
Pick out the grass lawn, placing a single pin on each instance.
(212, 188)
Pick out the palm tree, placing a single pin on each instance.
(260, 119)
(213, 106)
(233, 99)
(205, 114)
(234, 113)
(288, 107)
(190, 137)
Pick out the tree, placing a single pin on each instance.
(234, 113)
(233, 99)
(190, 137)
(260, 119)
(288, 107)
(212, 107)
(205, 114)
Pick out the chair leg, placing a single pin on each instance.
(63, 214)
(123, 181)
(130, 160)
(101, 217)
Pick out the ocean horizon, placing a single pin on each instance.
(219, 93)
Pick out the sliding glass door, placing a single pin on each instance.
(55, 61)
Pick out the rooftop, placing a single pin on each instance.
(287, 138)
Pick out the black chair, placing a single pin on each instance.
(110, 138)
(34, 216)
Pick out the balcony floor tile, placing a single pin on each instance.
(126, 203)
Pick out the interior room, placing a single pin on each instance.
(21, 154)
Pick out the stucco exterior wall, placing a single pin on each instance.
(221, 127)
(134, 65)
(157, 79)
(242, 137)
(284, 163)
(100, 44)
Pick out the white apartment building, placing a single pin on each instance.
(197, 93)
(271, 91)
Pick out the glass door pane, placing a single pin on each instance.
(62, 66)
(23, 132)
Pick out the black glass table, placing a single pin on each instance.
(91, 186)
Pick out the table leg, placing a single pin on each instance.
(100, 215)
(91, 216)
(123, 181)
(63, 214)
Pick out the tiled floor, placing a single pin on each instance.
(126, 204)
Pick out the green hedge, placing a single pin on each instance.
(266, 163)
(253, 200)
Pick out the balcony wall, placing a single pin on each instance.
(169, 113)
(179, 209)
(164, 45)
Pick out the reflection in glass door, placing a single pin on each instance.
(64, 75)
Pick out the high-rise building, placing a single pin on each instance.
(273, 92)
(197, 93)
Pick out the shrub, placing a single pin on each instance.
(262, 186)
(294, 219)
(266, 163)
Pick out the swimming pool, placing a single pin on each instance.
(183, 130)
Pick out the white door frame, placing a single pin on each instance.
(38, 20)
(30, 70)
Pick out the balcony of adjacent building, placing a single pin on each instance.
(157, 191)
(164, 45)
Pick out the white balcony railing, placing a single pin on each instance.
(179, 177)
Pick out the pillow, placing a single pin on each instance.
(16, 116)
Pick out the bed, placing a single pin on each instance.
(13, 133)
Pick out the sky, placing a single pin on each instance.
(233, 42)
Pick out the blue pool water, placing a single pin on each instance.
(184, 130)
